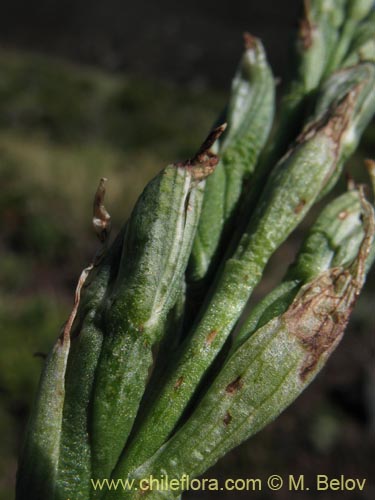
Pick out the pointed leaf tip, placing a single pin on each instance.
(249, 41)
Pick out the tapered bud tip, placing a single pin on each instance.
(213, 136)
(205, 161)
(101, 218)
(249, 41)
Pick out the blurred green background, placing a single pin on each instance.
(63, 125)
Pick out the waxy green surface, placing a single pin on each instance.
(154, 257)
(134, 298)
(292, 188)
(266, 373)
(249, 118)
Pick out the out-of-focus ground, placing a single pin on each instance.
(64, 124)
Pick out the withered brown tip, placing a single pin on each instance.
(249, 41)
(210, 140)
(204, 161)
(101, 218)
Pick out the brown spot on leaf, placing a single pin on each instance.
(211, 337)
(178, 382)
(340, 118)
(320, 312)
(300, 206)
(334, 123)
(227, 418)
(234, 386)
(319, 315)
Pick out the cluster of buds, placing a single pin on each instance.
(124, 392)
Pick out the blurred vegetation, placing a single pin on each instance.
(62, 127)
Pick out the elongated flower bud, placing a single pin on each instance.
(292, 188)
(48, 446)
(249, 117)
(74, 468)
(266, 374)
(156, 249)
(355, 11)
(333, 240)
(38, 466)
(358, 84)
(315, 41)
(362, 47)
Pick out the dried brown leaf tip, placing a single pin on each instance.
(205, 161)
(321, 310)
(249, 41)
(101, 218)
(66, 333)
(334, 123)
(340, 119)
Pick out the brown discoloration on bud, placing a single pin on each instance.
(205, 161)
(227, 418)
(211, 337)
(66, 333)
(178, 383)
(234, 386)
(249, 41)
(339, 120)
(320, 312)
(300, 206)
(101, 218)
(333, 124)
(313, 317)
